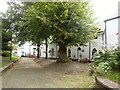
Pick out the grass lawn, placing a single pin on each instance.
(114, 76)
(5, 60)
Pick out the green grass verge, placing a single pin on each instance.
(8, 58)
(82, 80)
(5, 60)
(3, 64)
(114, 76)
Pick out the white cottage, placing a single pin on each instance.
(73, 52)
(87, 51)
(112, 32)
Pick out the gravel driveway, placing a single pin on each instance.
(47, 74)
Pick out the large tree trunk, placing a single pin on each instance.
(38, 51)
(63, 54)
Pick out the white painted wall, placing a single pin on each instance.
(26, 48)
(96, 43)
(42, 50)
(112, 30)
(74, 52)
(119, 24)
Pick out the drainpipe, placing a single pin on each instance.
(119, 25)
(89, 50)
(105, 35)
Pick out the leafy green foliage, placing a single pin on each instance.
(105, 66)
(6, 35)
(10, 20)
(67, 23)
(10, 25)
(106, 61)
(103, 56)
(64, 23)
(114, 76)
(5, 53)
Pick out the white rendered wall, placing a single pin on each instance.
(112, 30)
(119, 24)
(26, 48)
(74, 52)
(23, 48)
(43, 50)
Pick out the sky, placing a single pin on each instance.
(103, 9)
(3, 6)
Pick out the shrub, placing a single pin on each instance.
(116, 59)
(104, 66)
(102, 56)
(107, 60)
(6, 53)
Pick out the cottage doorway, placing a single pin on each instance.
(94, 51)
(79, 53)
(69, 52)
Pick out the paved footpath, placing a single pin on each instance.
(28, 74)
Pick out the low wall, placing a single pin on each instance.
(106, 83)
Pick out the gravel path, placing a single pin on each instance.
(46, 74)
(28, 74)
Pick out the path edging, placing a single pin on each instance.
(106, 83)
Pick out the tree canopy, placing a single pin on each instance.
(64, 23)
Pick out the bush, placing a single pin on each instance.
(107, 60)
(116, 59)
(104, 66)
(6, 53)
